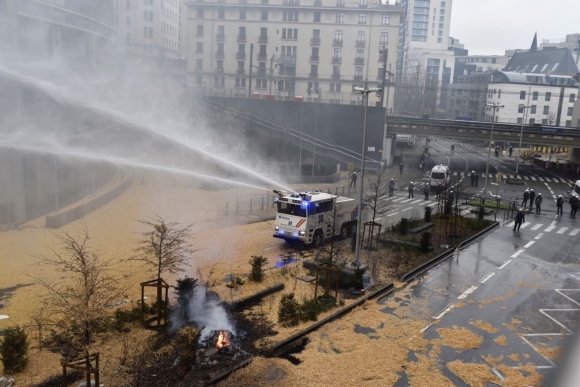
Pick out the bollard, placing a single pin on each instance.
(250, 205)
(227, 208)
(262, 208)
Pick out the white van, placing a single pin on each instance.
(440, 176)
(576, 188)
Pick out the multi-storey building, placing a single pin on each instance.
(550, 98)
(150, 28)
(84, 30)
(286, 49)
(468, 64)
(467, 96)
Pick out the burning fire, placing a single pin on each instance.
(222, 340)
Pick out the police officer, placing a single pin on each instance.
(519, 219)
(559, 205)
(426, 191)
(532, 197)
(526, 197)
(539, 203)
(411, 186)
(472, 178)
(391, 187)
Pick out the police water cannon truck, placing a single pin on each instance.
(312, 217)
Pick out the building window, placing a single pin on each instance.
(572, 97)
(198, 64)
(358, 71)
(199, 30)
(199, 47)
(544, 121)
(148, 16)
(570, 111)
(385, 20)
(363, 3)
(532, 121)
(240, 82)
(340, 3)
(535, 96)
(519, 120)
(336, 70)
(198, 79)
(220, 66)
(546, 109)
(362, 18)
(439, 40)
(360, 53)
(337, 53)
(361, 36)
(148, 2)
(338, 36)
(128, 4)
(340, 17)
(548, 96)
(242, 32)
(442, 11)
(314, 70)
(127, 21)
(441, 19)
(317, 16)
(200, 13)
(242, 14)
(291, 16)
(335, 87)
(520, 109)
(221, 13)
(384, 38)
(522, 95)
(533, 110)
(264, 15)
(569, 124)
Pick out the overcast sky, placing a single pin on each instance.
(488, 27)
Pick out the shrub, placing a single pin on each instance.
(358, 278)
(425, 241)
(288, 311)
(188, 337)
(428, 211)
(480, 213)
(257, 262)
(403, 226)
(122, 317)
(14, 350)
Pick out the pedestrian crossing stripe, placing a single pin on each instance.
(524, 225)
(569, 181)
(540, 178)
(533, 178)
(575, 231)
(407, 200)
(399, 199)
(562, 230)
(526, 178)
(537, 226)
(417, 201)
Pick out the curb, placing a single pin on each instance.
(426, 266)
(277, 348)
(472, 239)
(254, 297)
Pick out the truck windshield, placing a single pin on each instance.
(291, 209)
(438, 175)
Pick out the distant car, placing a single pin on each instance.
(439, 176)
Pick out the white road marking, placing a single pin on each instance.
(529, 244)
(562, 230)
(393, 214)
(550, 227)
(399, 199)
(526, 178)
(537, 226)
(533, 178)
(514, 255)
(407, 200)
(576, 231)
(407, 209)
(484, 279)
(540, 178)
(539, 235)
(467, 292)
(447, 309)
(511, 223)
(505, 264)
(524, 225)
(427, 327)
(569, 181)
(496, 372)
(417, 201)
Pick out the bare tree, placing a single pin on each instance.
(82, 301)
(165, 249)
(378, 187)
(416, 93)
(551, 118)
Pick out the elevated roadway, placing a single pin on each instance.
(539, 135)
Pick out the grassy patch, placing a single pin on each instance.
(490, 204)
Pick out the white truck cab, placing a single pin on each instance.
(440, 175)
(576, 188)
(311, 217)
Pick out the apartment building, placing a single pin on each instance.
(550, 98)
(150, 28)
(317, 50)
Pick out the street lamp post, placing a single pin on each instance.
(523, 107)
(494, 106)
(365, 91)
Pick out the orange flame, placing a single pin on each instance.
(222, 340)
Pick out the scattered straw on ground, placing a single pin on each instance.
(484, 326)
(514, 378)
(501, 340)
(500, 298)
(515, 357)
(475, 375)
(459, 338)
(551, 353)
(494, 360)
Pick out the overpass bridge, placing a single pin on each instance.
(537, 135)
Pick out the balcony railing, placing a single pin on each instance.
(220, 37)
(315, 41)
(336, 59)
(337, 42)
(361, 43)
(240, 71)
(263, 39)
(357, 78)
(335, 76)
(313, 75)
(241, 38)
(220, 54)
(262, 55)
(261, 73)
(240, 55)
(314, 58)
(219, 70)
(359, 61)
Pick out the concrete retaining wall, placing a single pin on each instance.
(77, 212)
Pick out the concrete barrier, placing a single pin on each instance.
(77, 212)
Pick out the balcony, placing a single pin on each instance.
(315, 41)
(262, 56)
(335, 77)
(263, 39)
(314, 58)
(357, 78)
(359, 61)
(240, 55)
(241, 38)
(336, 60)
(337, 42)
(240, 71)
(220, 37)
(220, 54)
(313, 75)
(219, 70)
(261, 73)
(361, 43)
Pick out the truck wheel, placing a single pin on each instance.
(343, 232)
(318, 238)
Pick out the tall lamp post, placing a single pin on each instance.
(494, 106)
(523, 107)
(365, 92)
